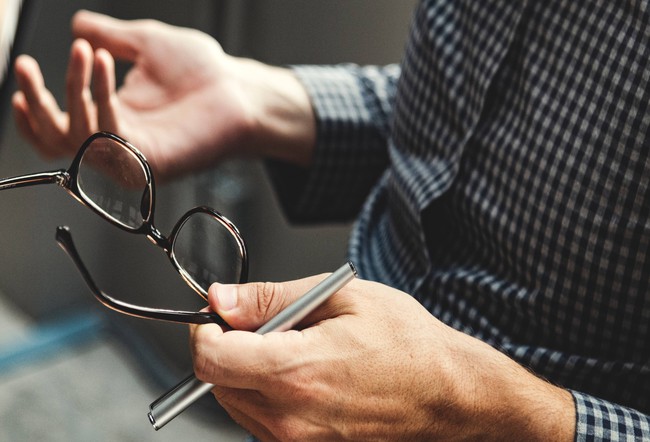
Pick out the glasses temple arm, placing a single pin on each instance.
(64, 239)
(57, 176)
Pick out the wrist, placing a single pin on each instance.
(515, 404)
(280, 121)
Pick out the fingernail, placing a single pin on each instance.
(227, 297)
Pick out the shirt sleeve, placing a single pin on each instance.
(599, 420)
(353, 109)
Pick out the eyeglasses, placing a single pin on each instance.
(113, 178)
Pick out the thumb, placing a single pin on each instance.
(249, 306)
(123, 39)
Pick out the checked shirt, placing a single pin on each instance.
(500, 174)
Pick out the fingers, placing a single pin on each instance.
(81, 109)
(238, 359)
(249, 306)
(104, 91)
(21, 115)
(39, 115)
(244, 419)
(121, 38)
(43, 123)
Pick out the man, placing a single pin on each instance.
(502, 177)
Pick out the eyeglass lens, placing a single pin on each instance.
(112, 178)
(207, 251)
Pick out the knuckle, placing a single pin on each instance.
(268, 297)
(42, 101)
(148, 25)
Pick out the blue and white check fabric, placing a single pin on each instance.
(501, 175)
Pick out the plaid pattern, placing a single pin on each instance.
(501, 175)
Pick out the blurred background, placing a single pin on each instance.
(72, 370)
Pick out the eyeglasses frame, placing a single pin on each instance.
(68, 179)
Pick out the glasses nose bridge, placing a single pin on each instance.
(158, 238)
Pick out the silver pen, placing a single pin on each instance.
(176, 400)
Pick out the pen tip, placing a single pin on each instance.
(353, 268)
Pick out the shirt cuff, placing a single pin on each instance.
(599, 420)
(350, 152)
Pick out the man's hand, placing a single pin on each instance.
(184, 102)
(371, 363)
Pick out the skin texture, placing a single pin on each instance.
(369, 364)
